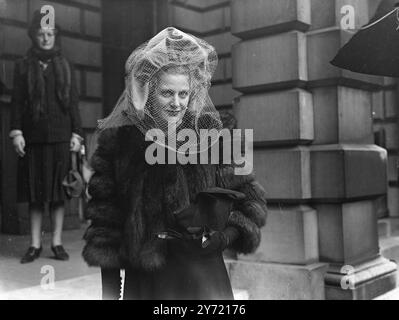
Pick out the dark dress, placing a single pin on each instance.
(186, 276)
(47, 158)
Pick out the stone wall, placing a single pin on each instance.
(210, 20)
(385, 124)
(315, 147)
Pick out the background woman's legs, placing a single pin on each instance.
(57, 217)
(36, 217)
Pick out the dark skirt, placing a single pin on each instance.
(41, 171)
(186, 276)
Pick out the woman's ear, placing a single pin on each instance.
(139, 95)
(193, 94)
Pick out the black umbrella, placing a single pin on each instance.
(375, 48)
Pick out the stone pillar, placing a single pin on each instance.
(210, 20)
(270, 69)
(314, 153)
(385, 113)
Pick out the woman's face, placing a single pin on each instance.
(45, 39)
(171, 97)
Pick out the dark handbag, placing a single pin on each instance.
(211, 209)
(210, 212)
(73, 182)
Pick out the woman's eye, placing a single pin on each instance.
(183, 94)
(167, 93)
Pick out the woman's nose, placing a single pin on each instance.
(176, 101)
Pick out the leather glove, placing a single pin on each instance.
(19, 144)
(203, 239)
(75, 143)
(211, 240)
(219, 240)
(215, 241)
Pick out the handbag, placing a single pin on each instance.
(211, 209)
(73, 182)
(210, 212)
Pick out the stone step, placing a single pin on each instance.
(389, 248)
(274, 281)
(388, 227)
(391, 295)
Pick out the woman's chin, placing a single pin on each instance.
(46, 48)
(174, 121)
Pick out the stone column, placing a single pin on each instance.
(385, 113)
(270, 69)
(314, 153)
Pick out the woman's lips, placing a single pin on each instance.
(173, 113)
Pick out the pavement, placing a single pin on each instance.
(73, 279)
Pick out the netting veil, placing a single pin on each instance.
(166, 88)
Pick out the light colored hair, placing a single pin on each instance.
(170, 69)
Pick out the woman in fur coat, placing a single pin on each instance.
(144, 214)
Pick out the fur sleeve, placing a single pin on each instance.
(251, 212)
(104, 236)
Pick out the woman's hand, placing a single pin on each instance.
(220, 240)
(216, 241)
(208, 241)
(19, 145)
(75, 143)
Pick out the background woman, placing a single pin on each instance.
(45, 129)
(143, 215)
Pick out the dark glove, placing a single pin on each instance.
(202, 239)
(218, 240)
(215, 241)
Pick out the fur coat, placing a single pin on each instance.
(45, 102)
(132, 200)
